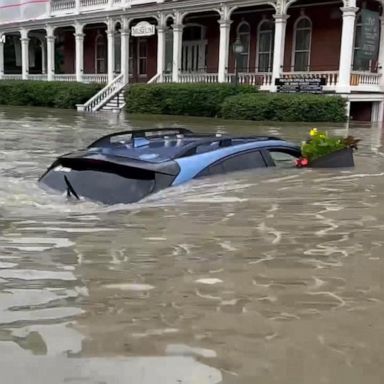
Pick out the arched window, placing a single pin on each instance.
(244, 35)
(359, 62)
(302, 41)
(265, 40)
(100, 53)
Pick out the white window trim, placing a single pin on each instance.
(98, 37)
(258, 44)
(294, 43)
(249, 39)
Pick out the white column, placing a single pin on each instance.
(161, 51)
(1, 56)
(24, 53)
(225, 28)
(346, 50)
(177, 47)
(124, 46)
(79, 40)
(111, 55)
(125, 55)
(50, 54)
(279, 46)
(43, 57)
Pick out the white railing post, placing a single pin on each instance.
(346, 50)
(177, 46)
(50, 53)
(278, 53)
(77, 6)
(79, 40)
(111, 50)
(24, 53)
(2, 38)
(225, 28)
(161, 28)
(125, 50)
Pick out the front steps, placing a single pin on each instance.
(116, 104)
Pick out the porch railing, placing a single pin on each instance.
(40, 77)
(95, 78)
(12, 77)
(365, 78)
(198, 77)
(257, 79)
(64, 77)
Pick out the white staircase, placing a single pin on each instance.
(117, 103)
(111, 97)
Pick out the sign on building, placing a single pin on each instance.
(300, 85)
(368, 41)
(143, 29)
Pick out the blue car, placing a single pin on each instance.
(124, 167)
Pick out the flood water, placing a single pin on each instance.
(257, 277)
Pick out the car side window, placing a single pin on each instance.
(238, 162)
(282, 159)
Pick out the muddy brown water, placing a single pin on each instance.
(257, 277)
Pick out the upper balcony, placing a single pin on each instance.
(15, 12)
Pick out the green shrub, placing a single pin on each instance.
(181, 99)
(284, 107)
(54, 94)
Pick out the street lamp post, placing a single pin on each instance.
(238, 49)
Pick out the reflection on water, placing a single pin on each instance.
(268, 277)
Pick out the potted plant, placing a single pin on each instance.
(323, 151)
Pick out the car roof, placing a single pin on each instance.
(159, 145)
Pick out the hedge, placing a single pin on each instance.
(54, 94)
(181, 99)
(284, 107)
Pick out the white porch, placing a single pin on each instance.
(360, 81)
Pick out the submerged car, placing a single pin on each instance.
(124, 167)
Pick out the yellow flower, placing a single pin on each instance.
(313, 132)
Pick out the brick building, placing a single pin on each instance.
(124, 41)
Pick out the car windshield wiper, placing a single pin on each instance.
(70, 189)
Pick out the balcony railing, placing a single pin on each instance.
(60, 7)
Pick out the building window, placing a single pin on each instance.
(244, 35)
(359, 63)
(265, 46)
(101, 53)
(142, 56)
(302, 41)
